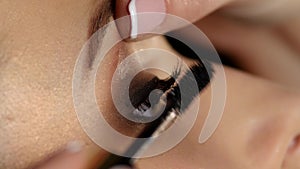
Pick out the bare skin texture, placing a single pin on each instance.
(39, 45)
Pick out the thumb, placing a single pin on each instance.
(74, 156)
(151, 14)
(193, 10)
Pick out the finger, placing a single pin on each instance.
(267, 11)
(255, 49)
(193, 10)
(73, 157)
(190, 10)
(65, 161)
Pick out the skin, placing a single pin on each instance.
(37, 33)
(39, 45)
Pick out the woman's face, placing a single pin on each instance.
(39, 44)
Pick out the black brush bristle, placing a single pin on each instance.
(191, 84)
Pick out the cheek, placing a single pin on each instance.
(103, 89)
(41, 45)
(37, 108)
(37, 115)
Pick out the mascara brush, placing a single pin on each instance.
(173, 103)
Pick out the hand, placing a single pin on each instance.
(74, 156)
(271, 51)
(261, 37)
(266, 10)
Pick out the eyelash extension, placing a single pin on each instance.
(201, 72)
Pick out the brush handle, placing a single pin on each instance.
(115, 160)
(138, 146)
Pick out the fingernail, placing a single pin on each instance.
(145, 16)
(74, 146)
(145, 23)
(121, 167)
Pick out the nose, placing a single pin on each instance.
(260, 127)
(293, 155)
(291, 145)
(274, 139)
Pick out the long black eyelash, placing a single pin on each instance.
(140, 96)
(201, 72)
(162, 85)
(177, 70)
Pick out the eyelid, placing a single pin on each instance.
(127, 48)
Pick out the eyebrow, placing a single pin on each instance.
(100, 16)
